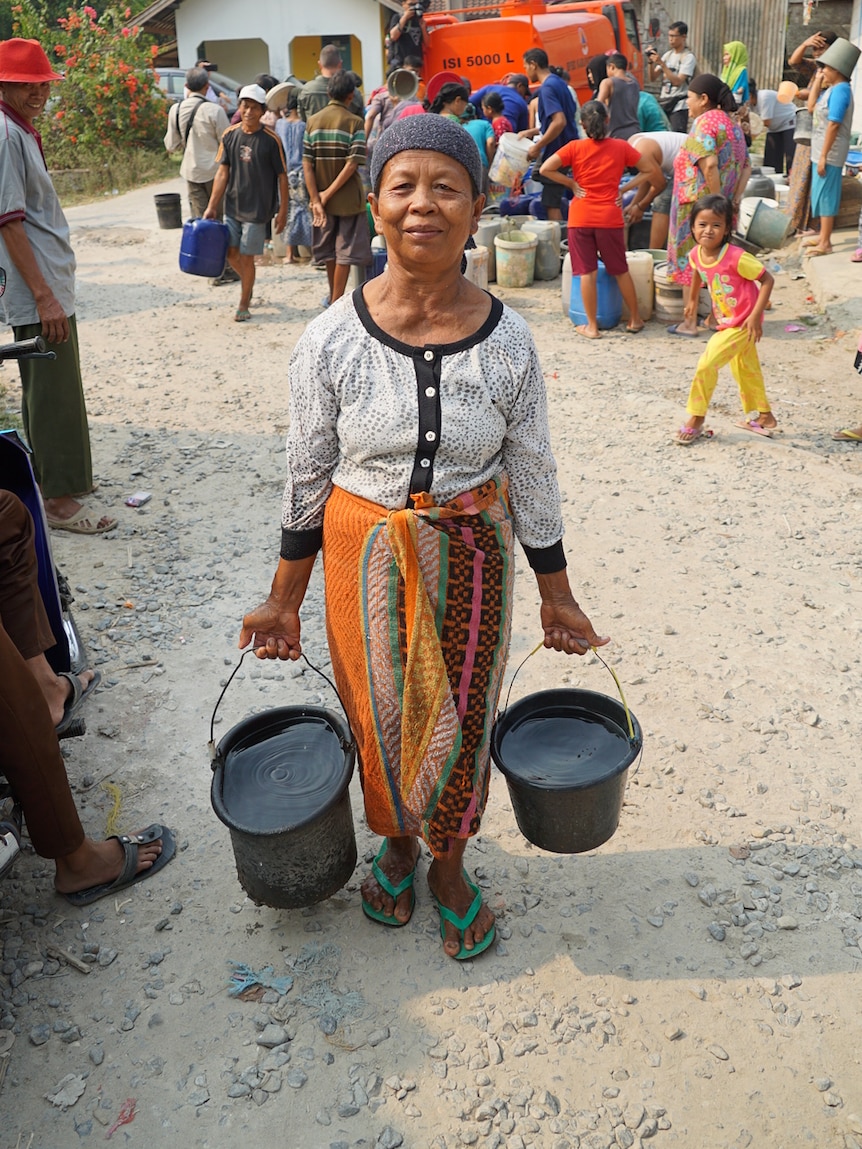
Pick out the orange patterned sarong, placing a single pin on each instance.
(418, 615)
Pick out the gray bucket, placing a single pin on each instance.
(280, 784)
(169, 210)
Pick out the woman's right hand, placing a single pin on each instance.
(273, 630)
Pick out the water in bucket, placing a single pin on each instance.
(285, 779)
(565, 755)
(574, 749)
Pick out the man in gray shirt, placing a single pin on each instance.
(37, 271)
(676, 68)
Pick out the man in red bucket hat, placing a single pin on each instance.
(37, 293)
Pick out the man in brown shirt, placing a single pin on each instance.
(332, 153)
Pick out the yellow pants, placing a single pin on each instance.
(729, 346)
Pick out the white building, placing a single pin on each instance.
(281, 37)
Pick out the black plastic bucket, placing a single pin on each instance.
(565, 755)
(280, 785)
(169, 210)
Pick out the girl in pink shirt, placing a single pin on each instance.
(739, 286)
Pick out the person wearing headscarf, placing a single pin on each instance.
(735, 70)
(713, 158)
(418, 450)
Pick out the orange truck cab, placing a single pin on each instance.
(484, 50)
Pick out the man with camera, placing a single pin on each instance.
(676, 68)
(407, 34)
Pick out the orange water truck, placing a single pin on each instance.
(485, 48)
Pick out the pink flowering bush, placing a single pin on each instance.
(108, 99)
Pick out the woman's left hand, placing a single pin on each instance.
(821, 166)
(567, 628)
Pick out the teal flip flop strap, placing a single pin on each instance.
(470, 916)
(384, 882)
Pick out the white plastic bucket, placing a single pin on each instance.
(641, 269)
(477, 266)
(547, 231)
(489, 226)
(516, 258)
(511, 160)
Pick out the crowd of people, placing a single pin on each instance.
(419, 444)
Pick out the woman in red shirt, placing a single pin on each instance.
(596, 225)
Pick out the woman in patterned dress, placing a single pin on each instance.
(418, 450)
(713, 159)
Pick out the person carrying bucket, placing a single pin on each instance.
(739, 286)
(418, 545)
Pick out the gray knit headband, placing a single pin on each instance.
(428, 133)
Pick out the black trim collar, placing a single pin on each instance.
(440, 348)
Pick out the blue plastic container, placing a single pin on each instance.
(203, 249)
(537, 211)
(610, 302)
(519, 205)
(378, 263)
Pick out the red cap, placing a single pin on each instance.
(24, 62)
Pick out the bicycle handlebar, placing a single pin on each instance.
(27, 349)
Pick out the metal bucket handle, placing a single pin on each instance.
(610, 670)
(250, 650)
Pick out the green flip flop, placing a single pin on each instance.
(393, 891)
(461, 924)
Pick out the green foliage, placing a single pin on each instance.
(108, 100)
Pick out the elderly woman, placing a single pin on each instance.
(418, 450)
(712, 159)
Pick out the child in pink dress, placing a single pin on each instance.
(740, 287)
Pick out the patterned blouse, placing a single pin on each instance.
(713, 133)
(381, 419)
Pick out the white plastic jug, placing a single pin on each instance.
(477, 265)
(489, 226)
(547, 231)
(641, 269)
(511, 160)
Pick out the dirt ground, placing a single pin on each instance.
(691, 983)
